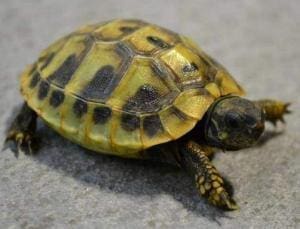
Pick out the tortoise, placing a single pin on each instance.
(136, 90)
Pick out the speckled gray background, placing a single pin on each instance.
(66, 186)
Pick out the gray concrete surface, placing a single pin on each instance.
(66, 186)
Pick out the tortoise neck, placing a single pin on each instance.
(200, 132)
(197, 134)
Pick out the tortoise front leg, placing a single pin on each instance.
(21, 131)
(274, 109)
(208, 180)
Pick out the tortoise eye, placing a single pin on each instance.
(233, 120)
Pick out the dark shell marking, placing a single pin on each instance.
(211, 70)
(152, 125)
(64, 73)
(32, 70)
(158, 70)
(123, 51)
(101, 115)
(128, 29)
(34, 80)
(178, 113)
(211, 73)
(130, 122)
(100, 85)
(158, 42)
(57, 98)
(107, 77)
(80, 107)
(146, 99)
(43, 90)
(46, 60)
(190, 68)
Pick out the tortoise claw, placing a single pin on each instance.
(220, 198)
(229, 203)
(20, 142)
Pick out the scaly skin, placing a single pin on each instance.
(209, 182)
(274, 109)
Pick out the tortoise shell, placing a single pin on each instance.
(123, 86)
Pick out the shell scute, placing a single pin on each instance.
(176, 122)
(102, 69)
(124, 141)
(151, 39)
(100, 131)
(189, 68)
(200, 101)
(139, 75)
(65, 60)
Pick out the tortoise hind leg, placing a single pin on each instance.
(21, 131)
(209, 182)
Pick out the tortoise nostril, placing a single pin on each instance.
(251, 121)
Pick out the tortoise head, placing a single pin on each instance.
(233, 123)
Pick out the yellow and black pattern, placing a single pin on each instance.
(209, 182)
(123, 86)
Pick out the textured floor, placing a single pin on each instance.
(66, 186)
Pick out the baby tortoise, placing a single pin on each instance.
(136, 90)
